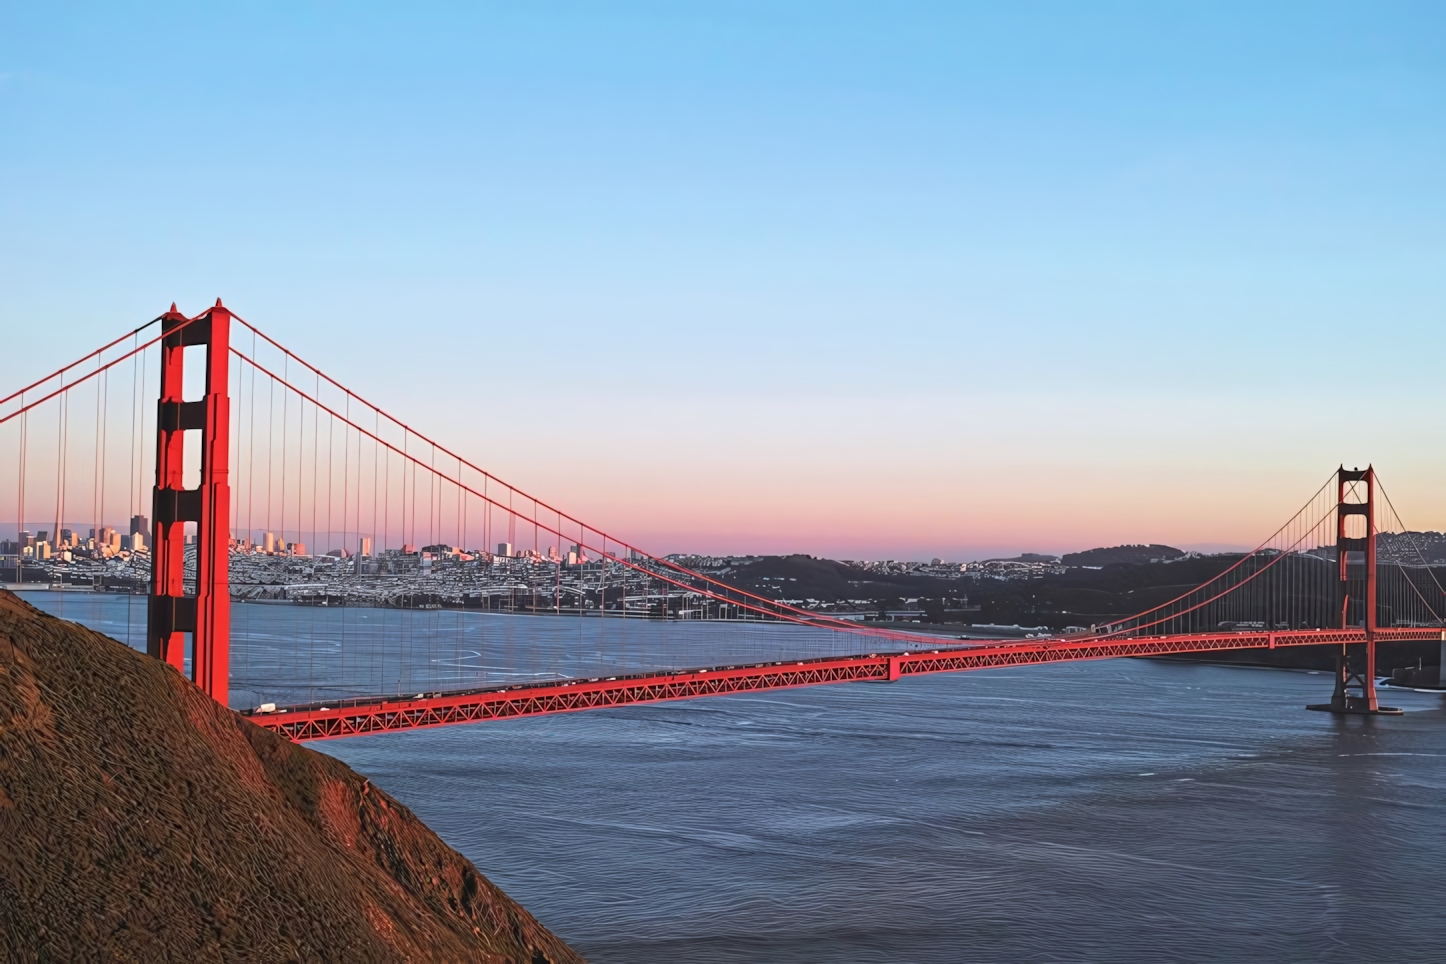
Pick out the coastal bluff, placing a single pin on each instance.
(140, 821)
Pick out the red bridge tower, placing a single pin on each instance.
(1356, 557)
(206, 613)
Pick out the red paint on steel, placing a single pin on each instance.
(170, 614)
(213, 595)
(566, 696)
(206, 614)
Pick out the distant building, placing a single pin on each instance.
(504, 549)
(268, 542)
(142, 526)
(364, 546)
(904, 615)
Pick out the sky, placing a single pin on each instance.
(860, 280)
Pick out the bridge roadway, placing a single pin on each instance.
(376, 715)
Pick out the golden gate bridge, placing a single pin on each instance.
(246, 451)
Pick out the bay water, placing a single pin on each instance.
(1122, 811)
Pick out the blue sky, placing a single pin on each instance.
(865, 280)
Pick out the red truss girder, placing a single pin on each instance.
(385, 716)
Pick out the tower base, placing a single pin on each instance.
(1355, 706)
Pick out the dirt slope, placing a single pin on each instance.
(139, 821)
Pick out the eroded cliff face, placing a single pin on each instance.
(140, 821)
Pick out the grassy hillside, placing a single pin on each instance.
(143, 822)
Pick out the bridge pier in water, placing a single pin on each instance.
(1362, 679)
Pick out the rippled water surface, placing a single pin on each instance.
(1128, 810)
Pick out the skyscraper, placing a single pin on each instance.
(141, 524)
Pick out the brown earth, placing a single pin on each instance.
(140, 821)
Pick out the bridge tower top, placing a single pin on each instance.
(1352, 503)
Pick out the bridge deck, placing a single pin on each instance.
(320, 722)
